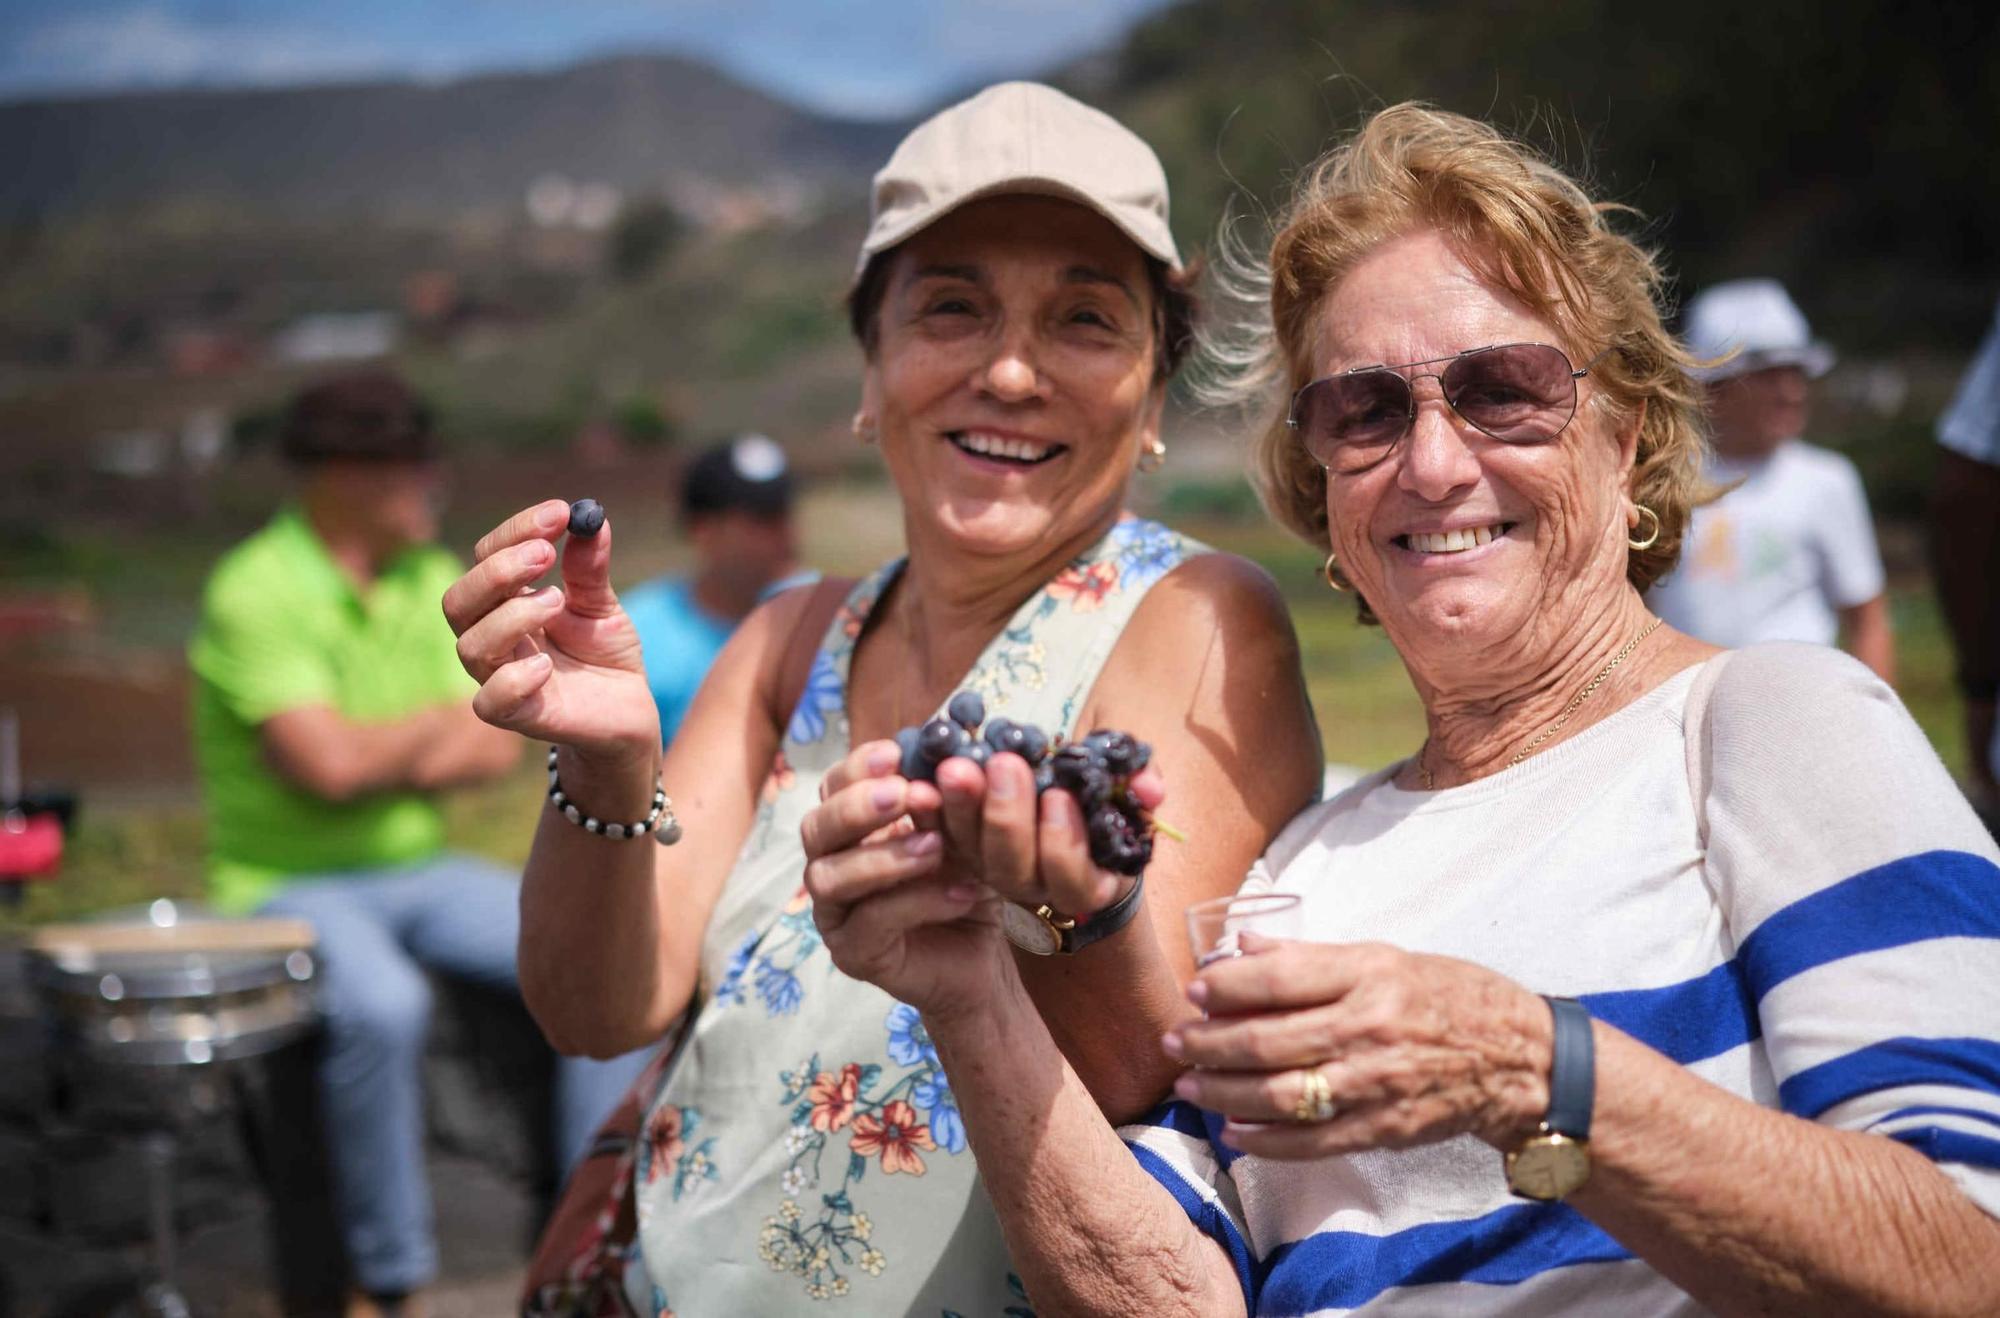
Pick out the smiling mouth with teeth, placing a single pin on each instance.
(999, 448)
(1453, 542)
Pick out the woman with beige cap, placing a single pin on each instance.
(1021, 307)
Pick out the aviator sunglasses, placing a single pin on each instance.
(1519, 393)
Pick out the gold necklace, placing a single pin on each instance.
(1589, 688)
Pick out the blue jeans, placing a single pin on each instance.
(378, 931)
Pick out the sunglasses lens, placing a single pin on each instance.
(1351, 421)
(1522, 393)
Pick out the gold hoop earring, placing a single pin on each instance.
(1154, 457)
(1654, 538)
(1331, 571)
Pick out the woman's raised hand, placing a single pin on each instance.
(1413, 1049)
(560, 664)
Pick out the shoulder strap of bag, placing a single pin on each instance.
(802, 645)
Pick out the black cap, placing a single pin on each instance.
(749, 473)
(368, 415)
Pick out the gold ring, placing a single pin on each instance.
(1315, 1098)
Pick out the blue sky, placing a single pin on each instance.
(862, 57)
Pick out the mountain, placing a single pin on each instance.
(414, 149)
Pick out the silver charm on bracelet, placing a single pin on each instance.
(661, 822)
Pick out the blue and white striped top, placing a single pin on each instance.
(1774, 882)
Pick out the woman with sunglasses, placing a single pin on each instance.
(1020, 307)
(1656, 980)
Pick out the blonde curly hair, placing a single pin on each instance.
(1526, 226)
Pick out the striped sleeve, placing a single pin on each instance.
(1864, 897)
(1177, 1145)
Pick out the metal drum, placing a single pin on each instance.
(147, 1021)
(187, 993)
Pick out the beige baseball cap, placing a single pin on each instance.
(1020, 137)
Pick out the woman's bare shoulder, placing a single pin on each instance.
(1211, 600)
(1208, 670)
(1214, 638)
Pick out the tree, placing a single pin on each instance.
(641, 236)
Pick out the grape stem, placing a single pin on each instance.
(1162, 826)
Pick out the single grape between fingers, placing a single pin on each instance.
(586, 518)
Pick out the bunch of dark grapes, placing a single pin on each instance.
(1096, 770)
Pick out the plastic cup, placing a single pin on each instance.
(1216, 926)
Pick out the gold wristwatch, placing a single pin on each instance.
(1044, 931)
(1554, 1162)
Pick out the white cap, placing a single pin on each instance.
(1020, 137)
(757, 457)
(1756, 320)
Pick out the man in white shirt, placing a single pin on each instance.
(1788, 554)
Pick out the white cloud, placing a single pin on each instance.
(860, 57)
(153, 46)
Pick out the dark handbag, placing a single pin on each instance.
(579, 1266)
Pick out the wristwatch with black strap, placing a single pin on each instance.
(1555, 1160)
(1044, 931)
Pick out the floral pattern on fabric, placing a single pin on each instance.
(1085, 588)
(1019, 663)
(888, 1125)
(772, 961)
(910, 1045)
(821, 697)
(730, 988)
(852, 615)
(896, 1136)
(1144, 552)
(848, 1177)
(668, 1149)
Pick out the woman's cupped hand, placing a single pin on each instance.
(560, 663)
(1414, 1049)
(906, 876)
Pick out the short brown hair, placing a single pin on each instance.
(1176, 308)
(1529, 228)
(366, 415)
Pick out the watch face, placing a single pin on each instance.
(1028, 931)
(1549, 1167)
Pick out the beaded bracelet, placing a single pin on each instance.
(662, 823)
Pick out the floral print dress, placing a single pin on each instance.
(805, 1150)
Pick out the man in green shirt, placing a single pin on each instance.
(330, 712)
